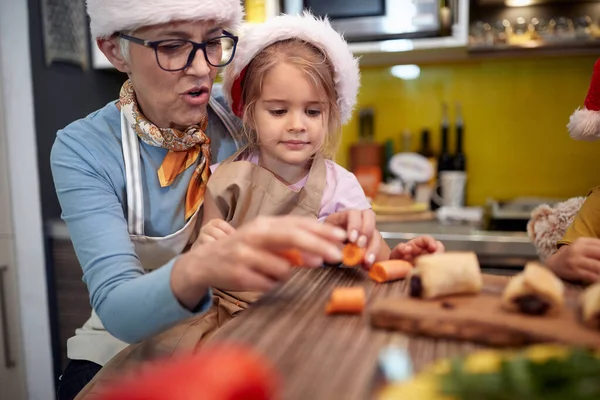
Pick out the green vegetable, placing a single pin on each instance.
(576, 377)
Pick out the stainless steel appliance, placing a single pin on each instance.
(373, 20)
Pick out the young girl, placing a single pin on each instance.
(293, 82)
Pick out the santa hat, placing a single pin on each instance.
(110, 16)
(308, 28)
(584, 124)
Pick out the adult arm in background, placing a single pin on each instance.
(578, 254)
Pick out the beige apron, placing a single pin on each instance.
(92, 342)
(243, 191)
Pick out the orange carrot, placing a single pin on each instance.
(349, 300)
(292, 255)
(353, 255)
(390, 270)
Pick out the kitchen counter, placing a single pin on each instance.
(502, 250)
(496, 250)
(318, 356)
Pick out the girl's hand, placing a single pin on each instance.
(414, 248)
(361, 230)
(249, 259)
(215, 229)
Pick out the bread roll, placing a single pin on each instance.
(590, 306)
(535, 291)
(442, 274)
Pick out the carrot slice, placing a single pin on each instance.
(390, 270)
(350, 300)
(353, 255)
(293, 256)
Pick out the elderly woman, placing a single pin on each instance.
(131, 177)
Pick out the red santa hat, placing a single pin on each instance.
(584, 123)
(110, 16)
(308, 28)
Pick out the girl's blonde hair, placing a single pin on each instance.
(310, 60)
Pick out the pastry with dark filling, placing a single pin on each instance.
(590, 306)
(535, 291)
(443, 274)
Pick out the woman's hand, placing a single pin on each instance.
(247, 259)
(361, 230)
(213, 230)
(578, 261)
(412, 249)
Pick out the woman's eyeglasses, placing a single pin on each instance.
(178, 54)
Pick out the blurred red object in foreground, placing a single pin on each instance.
(220, 372)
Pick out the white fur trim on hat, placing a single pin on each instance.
(313, 30)
(110, 16)
(584, 124)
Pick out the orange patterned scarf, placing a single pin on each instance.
(184, 149)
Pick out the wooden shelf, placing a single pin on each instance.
(464, 53)
(533, 49)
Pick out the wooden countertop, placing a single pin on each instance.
(327, 356)
(319, 356)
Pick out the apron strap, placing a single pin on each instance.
(134, 190)
(311, 194)
(131, 155)
(235, 155)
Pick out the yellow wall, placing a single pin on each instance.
(515, 112)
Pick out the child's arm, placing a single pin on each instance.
(354, 213)
(384, 251)
(346, 205)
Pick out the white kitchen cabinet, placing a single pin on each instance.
(12, 376)
(12, 385)
(5, 220)
(24, 285)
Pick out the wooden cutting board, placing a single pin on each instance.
(479, 318)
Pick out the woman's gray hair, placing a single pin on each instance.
(124, 45)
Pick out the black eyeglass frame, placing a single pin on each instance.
(153, 44)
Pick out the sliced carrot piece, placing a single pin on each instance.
(353, 255)
(390, 270)
(350, 300)
(293, 256)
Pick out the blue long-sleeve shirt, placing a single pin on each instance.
(89, 175)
